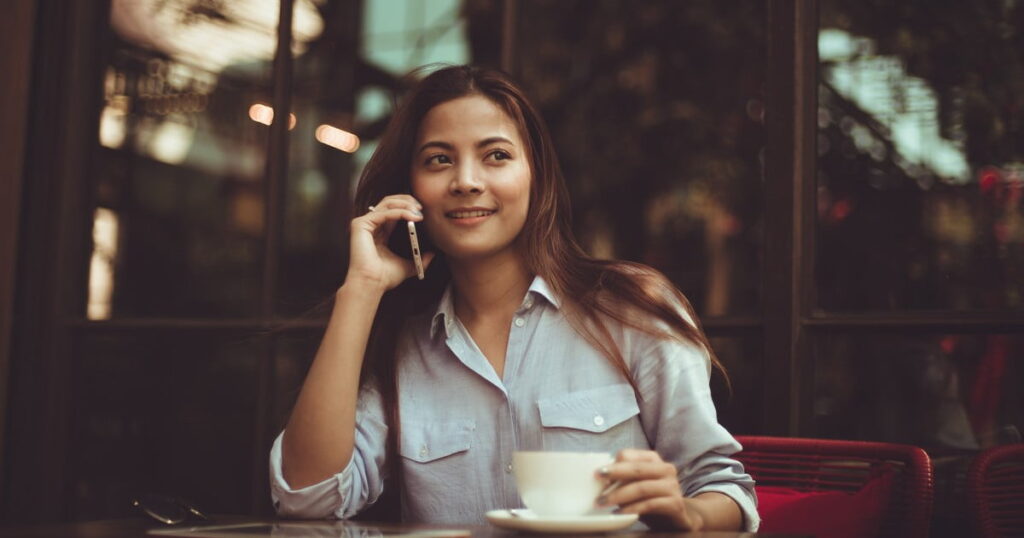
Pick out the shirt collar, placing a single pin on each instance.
(540, 287)
(444, 316)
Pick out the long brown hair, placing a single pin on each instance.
(591, 291)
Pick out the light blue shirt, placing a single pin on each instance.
(461, 422)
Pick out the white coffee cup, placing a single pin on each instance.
(559, 484)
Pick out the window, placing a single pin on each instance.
(919, 222)
(835, 186)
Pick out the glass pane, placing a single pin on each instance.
(920, 156)
(164, 412)
(656, 108)
(942, 392)
(293, 355)
(739, 402)
(342, 97)
(178, 176)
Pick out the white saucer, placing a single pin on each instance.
(527, 521)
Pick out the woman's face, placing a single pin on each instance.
(471, 172)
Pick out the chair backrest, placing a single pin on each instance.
(995, 491)
(817, 465)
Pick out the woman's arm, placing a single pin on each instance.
(716, 511)
(319, 439)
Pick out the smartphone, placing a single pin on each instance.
(414, 243)
(410, 243)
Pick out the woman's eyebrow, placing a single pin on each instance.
(493, 140)
(436, 144)
(448, 147)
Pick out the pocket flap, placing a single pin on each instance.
(428, 441)
(593, 410)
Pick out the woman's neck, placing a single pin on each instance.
(489, 287)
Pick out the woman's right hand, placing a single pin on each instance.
(371, 262)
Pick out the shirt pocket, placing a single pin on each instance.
(595, 419)
(425, 442)
(436, 458)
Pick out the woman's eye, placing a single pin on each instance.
(500, 155)
(437, 159)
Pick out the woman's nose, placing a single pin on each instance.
(467, 180)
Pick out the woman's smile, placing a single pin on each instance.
(469, 216)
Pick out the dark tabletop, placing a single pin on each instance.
(123, 528)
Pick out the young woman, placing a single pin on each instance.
(516, 339)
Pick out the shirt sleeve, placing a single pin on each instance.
(356, 487)
(680, 421)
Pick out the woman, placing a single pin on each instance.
(516, 339)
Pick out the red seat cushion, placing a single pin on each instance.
(825, 514)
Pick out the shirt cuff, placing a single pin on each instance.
(318, 501)
(746, 500)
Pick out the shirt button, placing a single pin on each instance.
(423, 451)
(598, 420)
(528, 303)
(508, 468)
(520, 322)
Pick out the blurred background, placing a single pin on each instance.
(836, 185)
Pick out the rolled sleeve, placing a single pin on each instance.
(730, 480)
(318, 501)
(681, 423)
(344, 494)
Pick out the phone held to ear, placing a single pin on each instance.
(414, 242)
(409, 243)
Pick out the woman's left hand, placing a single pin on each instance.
(650, 487)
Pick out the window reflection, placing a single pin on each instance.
(656, 109)
(181, 162)
(401, 34)
(105, 233)
(212, 34)
(264, 114)
(901, 111)
(737, 401)
(339, 139)
(920, 166)
(944, 392)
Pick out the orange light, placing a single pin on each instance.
(337, 138)
(265, 115)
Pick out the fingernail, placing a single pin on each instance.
(417, 213)
(603, 471)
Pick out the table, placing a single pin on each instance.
(131, 528)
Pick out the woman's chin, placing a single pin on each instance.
(457, 254)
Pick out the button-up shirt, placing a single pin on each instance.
(461, 421)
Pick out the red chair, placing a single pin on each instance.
(840, 488)
(995, 491)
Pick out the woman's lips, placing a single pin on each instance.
(469, 217)
(468, 213)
